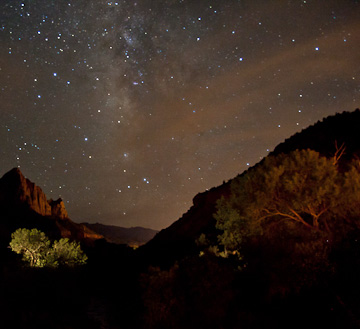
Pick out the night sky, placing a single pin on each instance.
(128, 109)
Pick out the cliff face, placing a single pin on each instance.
(23, 204)
(15, 188)
(58, 209)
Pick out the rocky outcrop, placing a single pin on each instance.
(58, 209)
(23, 204)
(16, 189)
(88, 233)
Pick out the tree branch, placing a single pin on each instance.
(296, 217)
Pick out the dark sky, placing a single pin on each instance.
(128, 109)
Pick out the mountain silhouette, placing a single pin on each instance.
(333, 135)
(133, 236)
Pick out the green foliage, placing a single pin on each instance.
(36, 249)
(236, 226)
(32, 244)
(202, 240)
(67, 253)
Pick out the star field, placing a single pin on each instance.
(128, 109)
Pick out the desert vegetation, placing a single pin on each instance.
(38, 251)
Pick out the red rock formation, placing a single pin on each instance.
(19, 193)
(58, 209)
(15, 188)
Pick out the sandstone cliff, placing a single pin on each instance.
(58, 209)
(19, 198)
(15, 188)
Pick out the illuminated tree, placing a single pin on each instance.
(301, 187)
(32, 244)
(66, 253)
(291, 218)
(36, 249)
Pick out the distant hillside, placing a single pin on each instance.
(134, 236)
(178, 240)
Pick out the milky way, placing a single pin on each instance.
(127, 109)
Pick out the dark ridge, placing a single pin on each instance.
(327, 135)
(178, 240)
(133, 236)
